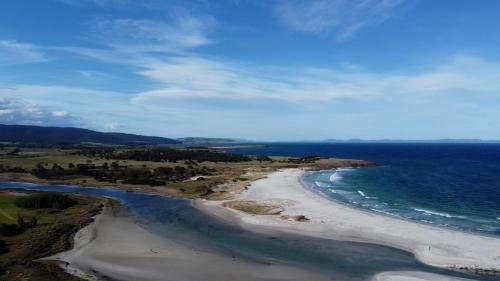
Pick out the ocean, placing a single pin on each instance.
(449, 185)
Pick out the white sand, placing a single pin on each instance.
(432, 245)
(412, 276)
(115, 247)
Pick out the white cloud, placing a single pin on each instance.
(13, 52)
(112, 126)
(344, 17)
(189, 90)
(194, 77)
(22, 112)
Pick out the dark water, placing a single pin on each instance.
(177, 219)
(451, 185)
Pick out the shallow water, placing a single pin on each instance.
(176, 219)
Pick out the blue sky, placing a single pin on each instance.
(261, 70)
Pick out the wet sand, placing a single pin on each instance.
(114, 246)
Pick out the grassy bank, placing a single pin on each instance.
(27, 234)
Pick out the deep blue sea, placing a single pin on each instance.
(451, 185)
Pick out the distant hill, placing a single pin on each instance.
(59, 135)
(208, 141)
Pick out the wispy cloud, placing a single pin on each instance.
(13, 52)
(195, 77)
(187, 89)
(184, 31)
(99, 3)
(143, 41)
(342, 17)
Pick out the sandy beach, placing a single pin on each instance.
(115, 247)
(411, 276)
(327, 219)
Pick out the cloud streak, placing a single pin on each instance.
(183, 31)
(343, 17)
(13, 52)
(195, 77)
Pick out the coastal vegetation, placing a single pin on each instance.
(49, 200)
(36, 225)
(182, 171)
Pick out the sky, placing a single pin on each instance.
(266, 70)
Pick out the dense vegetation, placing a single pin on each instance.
(165, 155)
(115, 172)
(48, 200)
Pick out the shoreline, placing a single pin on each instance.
(333, 220)
(395, 217)
(115, 247)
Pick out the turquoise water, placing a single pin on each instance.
(176, 219)
(450, 185)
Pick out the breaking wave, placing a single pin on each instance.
(430, 213)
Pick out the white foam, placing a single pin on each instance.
(384, 212)
(430, 213)
(335, 177)
(344, 169)
(364, 195)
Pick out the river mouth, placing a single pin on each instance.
(179, 221)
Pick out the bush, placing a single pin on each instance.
(45, 201)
